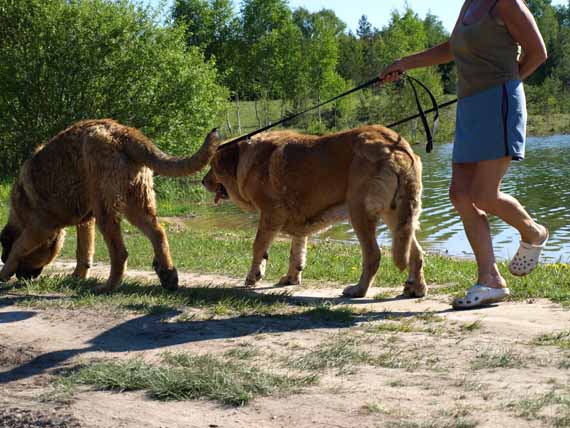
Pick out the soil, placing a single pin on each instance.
(435, 383)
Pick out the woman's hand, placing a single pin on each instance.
(393, 72)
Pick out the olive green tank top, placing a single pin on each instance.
(485, 53)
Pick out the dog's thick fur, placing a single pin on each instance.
(95, 171)
(301, 184)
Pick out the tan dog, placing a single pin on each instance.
(301, 184)
(96, 170)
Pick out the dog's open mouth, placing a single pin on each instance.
(221, 193)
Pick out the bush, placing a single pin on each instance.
(67, 60)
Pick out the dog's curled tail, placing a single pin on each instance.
(141, 150)
(408, 205)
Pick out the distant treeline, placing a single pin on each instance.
(269, 51)
(176, 73)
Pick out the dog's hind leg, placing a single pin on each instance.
(297, 261)
(85, 248)
(267, 230)
(110, 227)
(415, 285)
(147, 221)
(365, 228)
(27, 242)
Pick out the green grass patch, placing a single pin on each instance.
(459, 422)
(73, 293)
(243, 352)
(327, 314)
(343, 353)
(496, 358)
(389, 326)
(213, 248)
(560, 339)
(470, 327)
(185, 376)
(533, 408)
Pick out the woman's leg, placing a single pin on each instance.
(475, 191)
(475, 223)
(488, 197)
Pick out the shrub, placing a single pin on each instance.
(67, 60)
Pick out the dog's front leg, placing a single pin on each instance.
(266, 232)
(85, 248)
(297, 261)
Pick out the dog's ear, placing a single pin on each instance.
(227, 159)
(7, 238)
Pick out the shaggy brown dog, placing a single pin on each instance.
(94, 171)
(300, 184)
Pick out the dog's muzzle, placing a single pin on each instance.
(221, 193)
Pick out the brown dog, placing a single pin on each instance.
(95, 170)
(301, 184)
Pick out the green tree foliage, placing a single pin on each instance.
(211, 26)
(62, 61)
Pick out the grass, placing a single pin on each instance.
(560, 339)
(73, 293)
(496, 358)
(470, 327)
(459, 422)
(228, 252)
(341, 354)
(244, 352)
(184, 376)
(532, 408)
(325, 313)
(344, 353)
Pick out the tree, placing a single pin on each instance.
(351, 58)
(62, 61)
(211, 26)
(436, 34)
(547, 21)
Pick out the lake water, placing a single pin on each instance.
(541, 183)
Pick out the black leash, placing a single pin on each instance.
(421, 114)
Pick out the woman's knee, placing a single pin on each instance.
(486, 201)
(460, 198)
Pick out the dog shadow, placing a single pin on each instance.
(162, 330)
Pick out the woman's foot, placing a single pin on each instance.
(536, 236)
(528, 255)
(492, 280)
(480, 295)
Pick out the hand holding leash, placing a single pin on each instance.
(393, 72)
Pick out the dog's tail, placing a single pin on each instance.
(140, 149)
(146, 153)
(408, 205)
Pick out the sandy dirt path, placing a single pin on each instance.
(435, 382)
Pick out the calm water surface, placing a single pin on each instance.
(541, 183)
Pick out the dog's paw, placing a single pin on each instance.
(253, 279)
(80, 273)
(289, 280)
(413, 290)
(354, 291)
(168, 278)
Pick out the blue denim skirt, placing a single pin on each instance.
(491, 124)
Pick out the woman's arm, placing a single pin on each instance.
(439, 54)
(522, 26)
